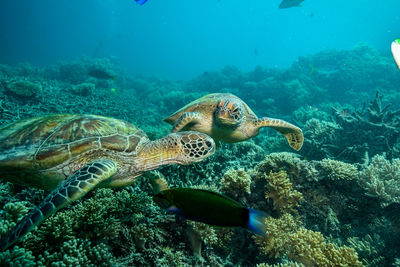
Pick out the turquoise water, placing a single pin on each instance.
(323, 68)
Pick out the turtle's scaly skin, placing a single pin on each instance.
(227, 118)
(74, 154)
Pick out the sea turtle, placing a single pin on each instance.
(73, 154)
(227, 118)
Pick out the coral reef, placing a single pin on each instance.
(327, 204)
(23, 89)
(381, 179)
(280, 191)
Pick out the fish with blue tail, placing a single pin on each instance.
(140, 2)
(211, 208)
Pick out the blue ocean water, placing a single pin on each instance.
(180, 39)
(199, 133)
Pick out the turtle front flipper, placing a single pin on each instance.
(186, 119)
(293, 134)
(71, 189)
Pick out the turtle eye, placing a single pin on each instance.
(208, 143)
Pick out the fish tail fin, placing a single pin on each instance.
(256, 222)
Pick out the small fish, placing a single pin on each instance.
(313, 107)
(312, 68)
(396, 52)
(211, 208)
(290, 3)
(140, 2)
(344, 113)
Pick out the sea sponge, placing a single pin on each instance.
(236, 182)
(23, 89)
(337, 170)
(280, 190)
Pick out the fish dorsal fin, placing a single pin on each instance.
(218, 195)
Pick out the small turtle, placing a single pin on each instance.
(73, 154)
(227, 118)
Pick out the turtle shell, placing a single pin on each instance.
(207, 105)
(44, 142)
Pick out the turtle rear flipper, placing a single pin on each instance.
(71, 189)
(293, 134)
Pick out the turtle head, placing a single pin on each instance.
(229, 112)
(193, 146)
(176, 148)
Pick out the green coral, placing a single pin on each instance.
(290, 163)
(23, 89)
(84, 89)
(17, 257)
(236, 182)
(78, 252)
(336, 170)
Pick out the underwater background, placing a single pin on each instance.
(325, 66)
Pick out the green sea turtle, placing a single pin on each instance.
(73, 154)
(227, 118)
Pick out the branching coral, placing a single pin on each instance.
(305, 246)
(78, 252)
(11, 214)
(280, 190)
(276, 242)
(236, 182)
(374, 130)
(311, 249)
(337, 170)
(291, 163)
(17, 257)
(369, 248)
(381, 179)
(286, 264)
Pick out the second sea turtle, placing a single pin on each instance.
(225, 117)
